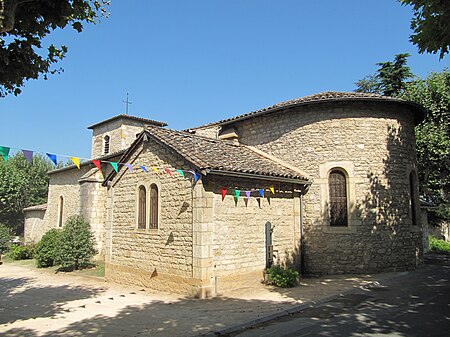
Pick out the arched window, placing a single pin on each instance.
(60, 211)
(413, 197)
(154, 206)
(106, 145)
(337, 185)
(142, 207)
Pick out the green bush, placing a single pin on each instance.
(439, 246)
(5, 238)
(20, 252)
(282, 277)
(77, 244)
(46, 251)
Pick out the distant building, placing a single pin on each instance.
(325, 183)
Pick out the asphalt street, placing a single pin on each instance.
(413, 304)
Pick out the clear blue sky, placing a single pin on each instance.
(193, 62)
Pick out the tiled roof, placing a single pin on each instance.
(319, 98)
(42, 207)
(133, 118)
(219, 155)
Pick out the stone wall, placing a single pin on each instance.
(374, 143)
(121, 132)
(156, 258)
(34, 226)
(239, 232)
(93, 205)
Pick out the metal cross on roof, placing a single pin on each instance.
(127, 102)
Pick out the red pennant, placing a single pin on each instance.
(169, 172)
(97, 164)
(223, 190)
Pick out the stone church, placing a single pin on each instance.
(325, 183)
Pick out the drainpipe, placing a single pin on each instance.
(302, 238)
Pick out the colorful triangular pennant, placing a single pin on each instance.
(97, 164)
(237, 194)
(261, 192)
(129, 166)
(272, 189)
(53, 158)
(4, 151)
(143, 168)
(28, 155)
(115, 166)
(76, 161)
(181, 172)
(223, 191)
(247, 194)
(168, 171)
(155, 169)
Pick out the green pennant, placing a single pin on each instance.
(4, 151)
(181, 172)
(237, 194)
(115, 166)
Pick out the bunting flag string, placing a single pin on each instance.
(77, 161)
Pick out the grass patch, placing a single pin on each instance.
(439, 246)
(96, 269)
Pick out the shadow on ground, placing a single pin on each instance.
(20, 300)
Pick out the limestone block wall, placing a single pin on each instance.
(156, 258)
(93, 205)
(121, 132)
(63, 184)
(374, 142)
(239, 232)
(34, 226)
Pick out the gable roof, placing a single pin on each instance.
(219, 157)
(328, 96)
(132, 118)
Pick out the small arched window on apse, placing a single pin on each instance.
(106, 140)
(337, 187)
(60, 211)
(154, 206)
(414, 197)
(142, 208)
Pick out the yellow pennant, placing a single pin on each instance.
(76, 161)
(155, 169)
(272, 189)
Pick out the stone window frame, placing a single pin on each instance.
(413, 196)
(348, 169)
(106, 144)
(60, 211)
(147, 186)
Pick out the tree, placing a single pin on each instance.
(21, 185)
(433, 139)
(23, 26)
(47, 249)
(390, 78)
(76, 243)
(431, 25)
(5, 238)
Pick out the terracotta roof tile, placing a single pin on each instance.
(206, 153)
(316, 98)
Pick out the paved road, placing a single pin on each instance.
(414, 304)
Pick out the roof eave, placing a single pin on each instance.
(298, 181)
(419, 111)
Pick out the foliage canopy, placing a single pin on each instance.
(77, 244)
(431, 25)
(21, 185)
(23, 26)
